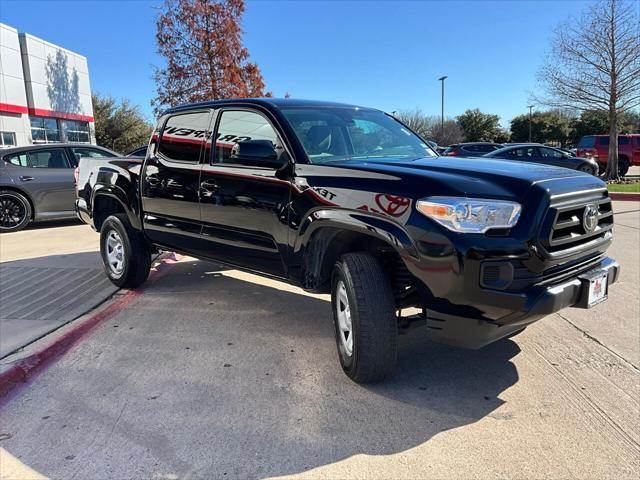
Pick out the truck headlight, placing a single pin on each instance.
(470, 215)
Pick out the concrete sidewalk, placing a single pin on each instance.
(48, 277)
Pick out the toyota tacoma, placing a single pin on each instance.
(349, 201)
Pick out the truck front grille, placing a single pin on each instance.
(576, 222)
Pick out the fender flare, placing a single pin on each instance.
(376, 226)
(120, 196)
(313, 252)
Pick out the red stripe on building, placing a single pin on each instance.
(10, 108)
(41, 112)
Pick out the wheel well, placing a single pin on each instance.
(623, 157)
(25, 195)
(104, 206)
(329, 244)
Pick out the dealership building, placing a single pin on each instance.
(45, 95)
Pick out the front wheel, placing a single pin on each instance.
(15, 211)
(126, 255)
(364, 318)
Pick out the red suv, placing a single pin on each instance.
(597, 147)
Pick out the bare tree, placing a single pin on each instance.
(429, 127)
(417, 121)
(594, 64)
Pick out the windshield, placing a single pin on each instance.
(329, 134)
(587, 142)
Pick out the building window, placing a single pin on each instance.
(76, 131)
(44, 130)
(7, 139)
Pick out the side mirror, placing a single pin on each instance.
(257, 153)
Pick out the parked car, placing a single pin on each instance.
(37, 182)
(138, 152)
(545, 155)
(471, 149)
(345, 200)
(597, 148)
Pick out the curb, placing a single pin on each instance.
(635, 197)
(47, 352)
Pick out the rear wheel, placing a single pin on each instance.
(126, 255)
(364, 318)
(15, 211)
(623, 166)
(587, 169)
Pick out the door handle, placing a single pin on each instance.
(152, 180)
(26, 178)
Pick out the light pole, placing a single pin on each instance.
(442, 79)
(529, 107)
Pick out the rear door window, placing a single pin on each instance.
(623, 140)
(551, 153)
(183, 136)
(45, 158)
(486, 148)
(523, 153)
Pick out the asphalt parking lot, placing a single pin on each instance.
(210, 372)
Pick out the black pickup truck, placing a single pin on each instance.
(346, 200)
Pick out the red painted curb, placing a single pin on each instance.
(28, 368)
(624, 196)
(21, 371)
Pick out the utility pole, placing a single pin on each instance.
(529, 107)
(442, 79)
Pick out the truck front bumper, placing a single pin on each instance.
(537, 302)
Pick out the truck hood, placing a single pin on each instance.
(480, 177)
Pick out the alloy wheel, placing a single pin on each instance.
(115, 252)
(343, 312)
(12, 212)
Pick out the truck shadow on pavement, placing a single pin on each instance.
(211, 373)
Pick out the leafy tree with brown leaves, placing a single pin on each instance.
(594, 64)
(201, 41)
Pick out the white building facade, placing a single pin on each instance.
(45, 94)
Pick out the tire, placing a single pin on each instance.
(623, 166)
(361, 293)
(126, 255)
(587, 169)
(15, 211)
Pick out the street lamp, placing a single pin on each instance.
(529, 107)
(442, 79)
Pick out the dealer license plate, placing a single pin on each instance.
(597, 289)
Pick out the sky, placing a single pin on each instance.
(382, 54)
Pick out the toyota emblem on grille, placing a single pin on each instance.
(590, 218)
